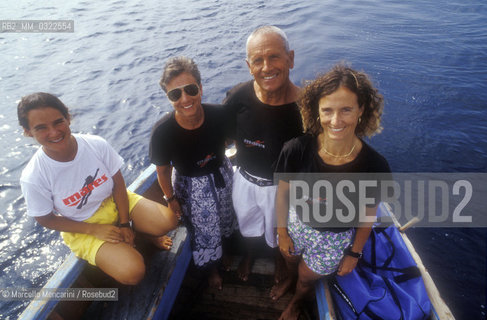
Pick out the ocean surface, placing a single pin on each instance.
(428, 59)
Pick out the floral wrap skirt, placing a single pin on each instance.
(207, 212)
(321, 251)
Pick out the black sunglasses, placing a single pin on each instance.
(176, 93)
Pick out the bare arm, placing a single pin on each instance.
(362, 234)
(286, 245)
(120, 197)
(164, 179)
(121, 200)
(104, 232)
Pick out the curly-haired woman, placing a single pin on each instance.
(339, 108)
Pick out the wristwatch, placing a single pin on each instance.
(348, 251)
(125, 225)
(169, 199)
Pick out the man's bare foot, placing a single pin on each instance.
(226, 262)
(281, 288)
(281, 271)
(164, 242)
(215, 281)
(245, 267)
(292, 311)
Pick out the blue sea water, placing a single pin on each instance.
(428, 58)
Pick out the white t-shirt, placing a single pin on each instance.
(74, 189)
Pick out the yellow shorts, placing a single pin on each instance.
(86, 246)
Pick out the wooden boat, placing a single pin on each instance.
(155, 296)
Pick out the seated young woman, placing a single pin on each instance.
(73, 184)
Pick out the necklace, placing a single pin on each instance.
(338, 156)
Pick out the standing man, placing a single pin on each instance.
(265, 115)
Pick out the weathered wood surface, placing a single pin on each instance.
(441, 310)
(237, 300)
(141, 301)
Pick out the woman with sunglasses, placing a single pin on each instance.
(73, 184)
(191, 140)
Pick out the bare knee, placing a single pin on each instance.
(121, 262)
(153, 218)
(171, 223)
(133, 273)
(306, 277)
(291, 262)
(306, 282)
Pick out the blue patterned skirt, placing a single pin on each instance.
(207, 212)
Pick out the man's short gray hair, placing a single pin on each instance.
(265, 30)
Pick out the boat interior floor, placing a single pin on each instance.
(195, 300)
(237, 299)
